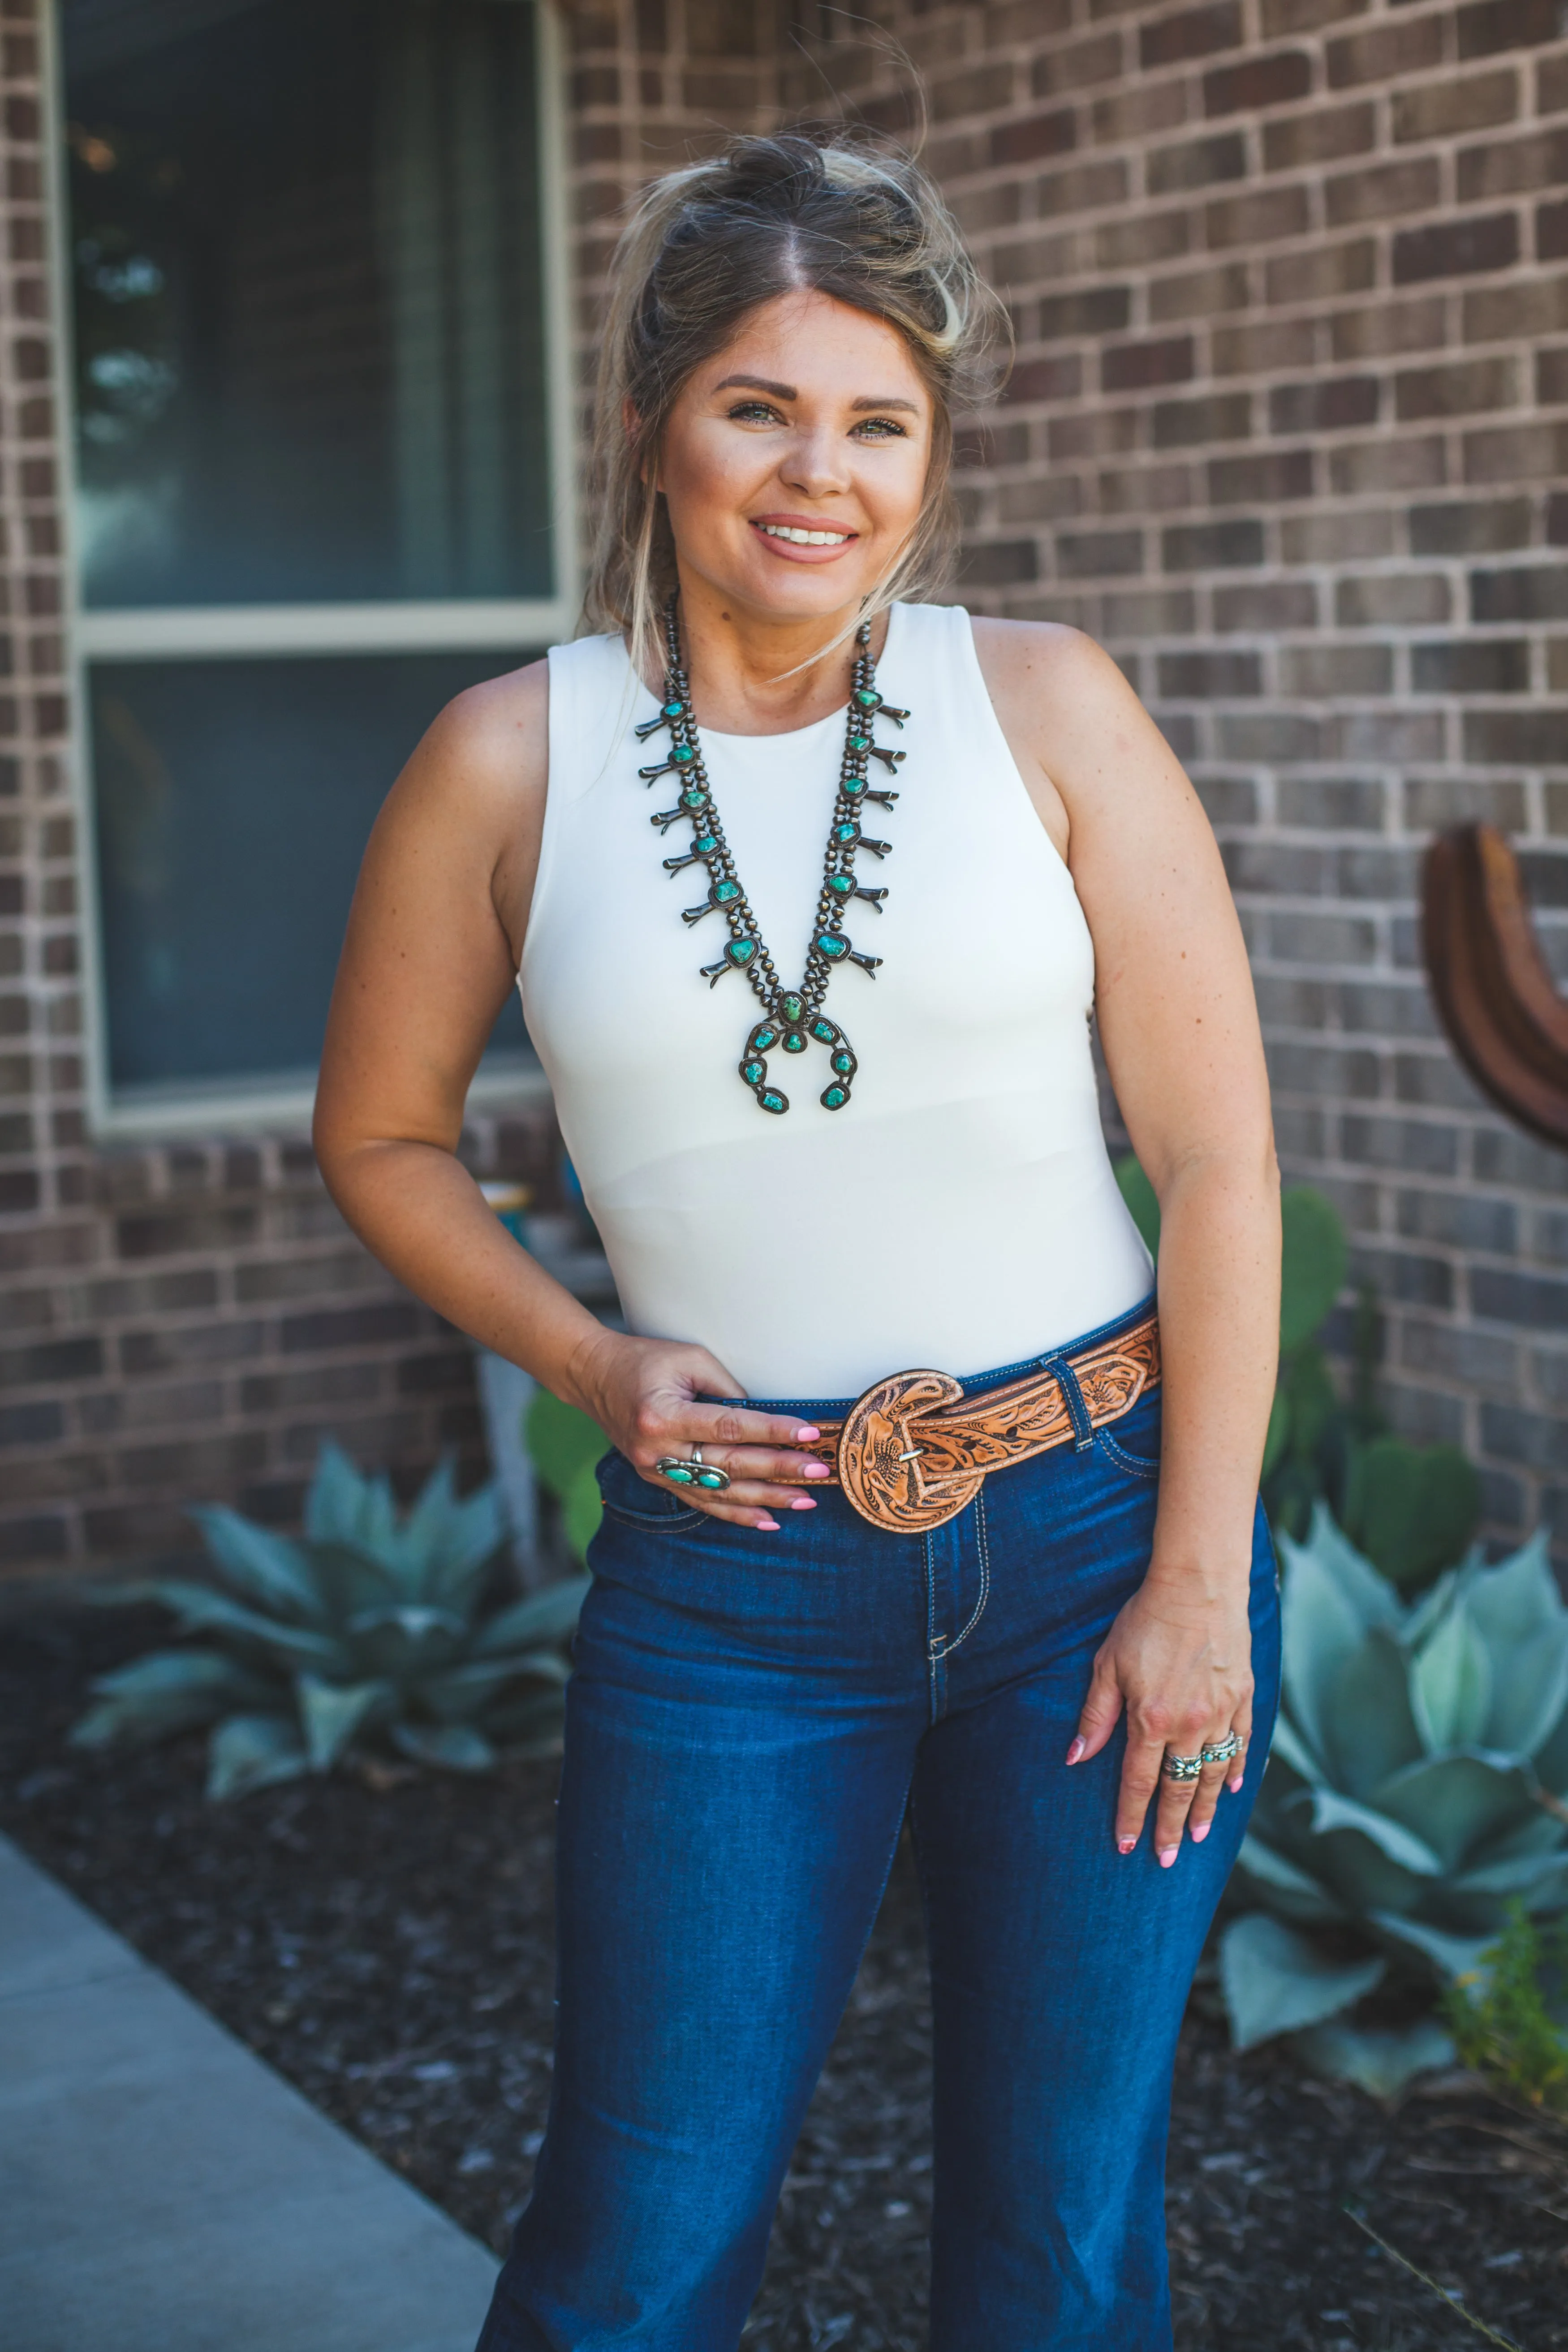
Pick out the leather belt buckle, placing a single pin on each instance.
(890, 1468)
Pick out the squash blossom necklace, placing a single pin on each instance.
(792, 1018)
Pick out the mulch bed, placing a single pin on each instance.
(389, 1950)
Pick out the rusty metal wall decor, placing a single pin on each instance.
(1494, 994)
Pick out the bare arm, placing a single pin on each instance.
(434, 942)
(1179, 1024)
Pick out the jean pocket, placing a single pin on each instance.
(630, 1499)
(1132, 1444)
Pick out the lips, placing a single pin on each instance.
(801, 531)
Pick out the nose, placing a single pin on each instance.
(816, 463)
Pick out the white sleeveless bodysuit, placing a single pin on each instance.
(960, 1212)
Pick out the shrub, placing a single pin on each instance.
(1508, 2016)
(374, 1631)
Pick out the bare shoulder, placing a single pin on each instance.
(1037, 664)
(490, 744)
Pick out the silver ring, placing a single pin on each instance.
(1222, 1750)
(692, 1472)
(1182, 1767)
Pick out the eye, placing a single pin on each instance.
(881, 428)
(753, 412)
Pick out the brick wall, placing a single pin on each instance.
(1288, 432)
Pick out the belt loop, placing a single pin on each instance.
(1066, 1378)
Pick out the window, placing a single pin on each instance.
(320, 406)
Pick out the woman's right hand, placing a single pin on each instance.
(646, 1395)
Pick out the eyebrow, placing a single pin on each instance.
(789, 392)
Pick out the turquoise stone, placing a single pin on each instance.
(724, 891)
(705, 846)
(772, 1101)
(694, 798)
(741, 951)
(677, 1475)
(852, 787)
(670, 710)
(846, 834)
(841, 885)
(683, 755)
(866, 696)
(834, 1097)
(763, 1037)
(714, 1478)
(795, 1043)
(830, 944)
(754, 1073)
(845, 1065)
(857, 743)
(823, 1031)
(792, 1006)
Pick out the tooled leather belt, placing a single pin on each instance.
(914, 1449)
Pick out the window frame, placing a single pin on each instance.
(154, 1114)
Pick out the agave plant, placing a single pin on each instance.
(1415, 1788)
(376, 1631)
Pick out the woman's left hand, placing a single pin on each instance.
(1179, 1661)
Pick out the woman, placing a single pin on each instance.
(1031, 1589)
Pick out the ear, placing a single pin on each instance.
(632, 424)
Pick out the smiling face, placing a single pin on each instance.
(794, 462)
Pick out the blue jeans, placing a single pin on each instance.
(749, 1716)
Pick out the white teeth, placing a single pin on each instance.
(806, 537)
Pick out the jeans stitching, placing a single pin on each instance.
(945, 1648)
(1131, 1463)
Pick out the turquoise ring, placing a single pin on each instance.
(694, 1473)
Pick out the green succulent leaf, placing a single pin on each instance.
(1369, 1726)
(199, 1607)
(1451, 1684)
(252, 1751)
(1332, 1812)
(530, 1725)
(403, 1643)
(468, 1691)
(1412, 1510)
(1513, 1874)
(1313, 1265)
(331, 1713)
(1331, 1597)
(165, 1692)
(1142, 1201)
(261, 1567)
(1452, 1804)
(1382, 2060)
(1289, 1892)
(562, 1441)
(581, 1508)
(1452, 1956)
(343, 1507)
(1289, 1747)
(549, 1615)
(1275, 1981)
(454, 1746)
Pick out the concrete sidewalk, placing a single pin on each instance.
(162, 2191)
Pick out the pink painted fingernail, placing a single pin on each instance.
(802, 1503)
(1075, 1751)
(768, 1527)
(1167, 1856)
(806, 1437)
(1201, 1832)
(1125, 1845)
(1236, 1787)
(816, 1470)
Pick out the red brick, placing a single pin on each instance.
(1383, 188)
(1045, 379)
(1139, 111)
(1086, 188)
(1403, 461)
(1130, 366)
(1322, 273)
(1552, 84)
(1196, 164)
(1147, 237)
(1032, 136)
(1259, 82)
(1400, 44)
(1259, 348)
(1323, 135)
(1551, 232)
(1096, 59)
(1199, 294)
(1456, 248)
(1271, 478)
(1327, 404)
(1193, 423)
(1523, 311)
(1381, 329)
(1193, 33)
(1439, 109)
(1520, 165)
(980, 90)
(1489, 26)
(1282, 17)
(1259, 218)
(1455, 391)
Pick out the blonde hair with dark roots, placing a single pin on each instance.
(707, 245)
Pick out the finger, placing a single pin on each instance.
(1101, 1710)
(1206, 1790)
(731, 1424)
(758, 1462)
(1140, 1779)
(1241, 1723)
